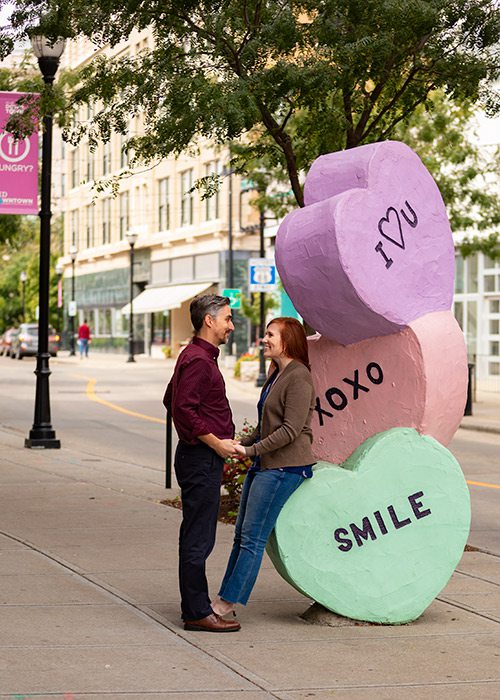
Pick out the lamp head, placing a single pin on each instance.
(59, 269)
(23, 276)
(73, 252)
(131, 237)
(48, 53)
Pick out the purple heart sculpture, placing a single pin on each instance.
(372, 250)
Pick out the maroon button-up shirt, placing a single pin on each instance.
(196, 394)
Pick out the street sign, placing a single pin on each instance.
(234, 296)
(72, 308)
(262, 275)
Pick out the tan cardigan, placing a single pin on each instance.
(286, 435)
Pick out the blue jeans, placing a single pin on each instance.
(264, 495)
(84, 347)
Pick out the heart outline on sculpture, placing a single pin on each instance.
(386, 219)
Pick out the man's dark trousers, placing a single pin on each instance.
(199, 474)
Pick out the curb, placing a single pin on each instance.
(480, 428)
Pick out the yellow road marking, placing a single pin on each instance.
(481, 483)
(90, 391)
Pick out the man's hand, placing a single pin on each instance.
(226, 448)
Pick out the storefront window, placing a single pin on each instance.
(161, 323)
(121, 323)
(459, 313)
(472, 327)
(472, 274)
(489, 283)
(459, 275)
(104, 321)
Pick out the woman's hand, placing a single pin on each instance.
(240, 450)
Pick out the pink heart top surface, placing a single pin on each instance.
(372, 250)
(416, 378)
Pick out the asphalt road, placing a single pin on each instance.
(105, 406)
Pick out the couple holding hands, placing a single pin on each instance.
(280, 446)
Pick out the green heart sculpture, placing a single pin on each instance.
(379, 537)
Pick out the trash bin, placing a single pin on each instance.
(470, 390)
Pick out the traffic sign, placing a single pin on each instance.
(72, 308)
(262, 275)
(234, 296)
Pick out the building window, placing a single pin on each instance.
(124, 154)
(212, 203)
(187, 201)
(459, 313)
(124, 214)
(63, 184)
(74, 167)
(104, 322)
(90, 165)
(106, 220)
(106, 158)
(90, 225)
(163, 205)
(74, 227)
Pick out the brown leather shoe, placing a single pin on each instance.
(212, 623)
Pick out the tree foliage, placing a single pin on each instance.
(288, 80)
(467, 175)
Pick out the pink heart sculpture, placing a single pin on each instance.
(372, 250)
(416, 378)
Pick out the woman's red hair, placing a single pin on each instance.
(293, 339)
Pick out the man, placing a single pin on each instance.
(84, 339)
(196, 398)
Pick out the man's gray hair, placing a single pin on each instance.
(206, 304)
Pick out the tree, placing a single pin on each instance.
(289, 80)
(446, 141)
(349, 71)
(19, 254)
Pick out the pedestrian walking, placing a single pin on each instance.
(281, 447)
(196, 399)
(84, 339)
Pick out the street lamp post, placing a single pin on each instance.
(261, 377)
(131, 238)
(42, 435)
(59, 272)
(23, 277)
(73, 251)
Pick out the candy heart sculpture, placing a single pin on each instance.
(369, 263)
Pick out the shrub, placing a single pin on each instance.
(246, 357)
(235, 468)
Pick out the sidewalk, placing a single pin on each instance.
(89, 607)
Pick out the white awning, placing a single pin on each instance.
(154, 299)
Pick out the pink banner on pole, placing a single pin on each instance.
(18, 163)
(59, 294)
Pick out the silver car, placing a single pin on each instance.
(25, 341)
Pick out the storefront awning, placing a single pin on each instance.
(155, 299)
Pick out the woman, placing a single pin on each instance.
(281, 448)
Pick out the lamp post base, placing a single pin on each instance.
(42, 439)
(130, 358)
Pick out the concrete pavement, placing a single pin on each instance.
(89, 602)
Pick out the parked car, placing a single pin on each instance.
(25, 341)
(6, 341)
